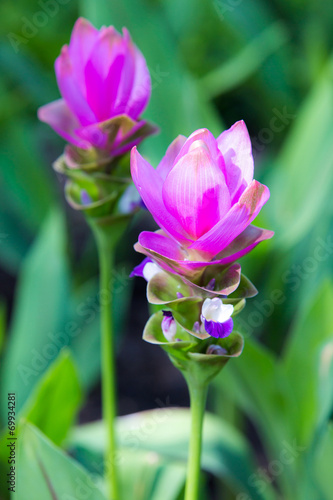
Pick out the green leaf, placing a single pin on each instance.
(166, 432)
(3, 324)
(145, 474)
(258, 384)
(46, 473)
(41, 301)
(243, 65)
(306, 354)
(54, 403)
(309, 143)
(323, 464)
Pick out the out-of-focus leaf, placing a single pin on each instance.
(144, 474)
(258, 384)
(54, 403)
(322, 468)
(3, 322)
(308, 364)
(234, 72)
(46, 473)
(24, 175)
(302, 180)
(166, 432)
(41, 301)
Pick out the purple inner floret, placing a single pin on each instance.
(219, 330)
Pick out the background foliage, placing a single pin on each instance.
(212, 62)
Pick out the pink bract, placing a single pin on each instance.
(101, 75)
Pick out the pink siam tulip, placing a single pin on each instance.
(204, 198)
(105, 86)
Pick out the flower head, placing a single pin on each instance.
(105, 85)
(204, 198)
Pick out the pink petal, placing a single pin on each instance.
(174, 258)
(167, 253)
(149, 185)
(103, 73)
(141, 89)
(237, 219)
(168, 159)
(235, 146)
(94, 135)
(243, 244)
(126, 78)
(82, 41)
(61, 119)
(161, 244)
(70, 89)
(195, 192)
(207, 137)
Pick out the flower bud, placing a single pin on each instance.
(169, 326)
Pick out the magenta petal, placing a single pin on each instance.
(94, 135)
(103, 72)
(161, 244)
(70, 89)
(83, 38)
(127, 77)
(170, 156)
(243, 244)
(61, 119)
(149, 185)
(195, 192)
(237, 219)
(141, 88)
(235, 146)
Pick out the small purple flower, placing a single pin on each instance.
(147, 269)
(85, 197)
(216, 317)
(169, 326)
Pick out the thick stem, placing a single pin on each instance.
(105, 252)
(198, 396)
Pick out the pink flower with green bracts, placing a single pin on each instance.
(204, 198)
(105, 86)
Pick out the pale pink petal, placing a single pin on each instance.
(237, 219)
(207, 137)
(149, 185)
(61, 119)
(168, 159)
(235, 146)
(70, 90)
(195, 192)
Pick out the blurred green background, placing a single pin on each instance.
(212, 63)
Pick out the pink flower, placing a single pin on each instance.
(105, 86)
(204, 198)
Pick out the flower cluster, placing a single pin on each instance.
(204, 198)
(105, 86)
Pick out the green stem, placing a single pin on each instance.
(105, 252)
(198, 396)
